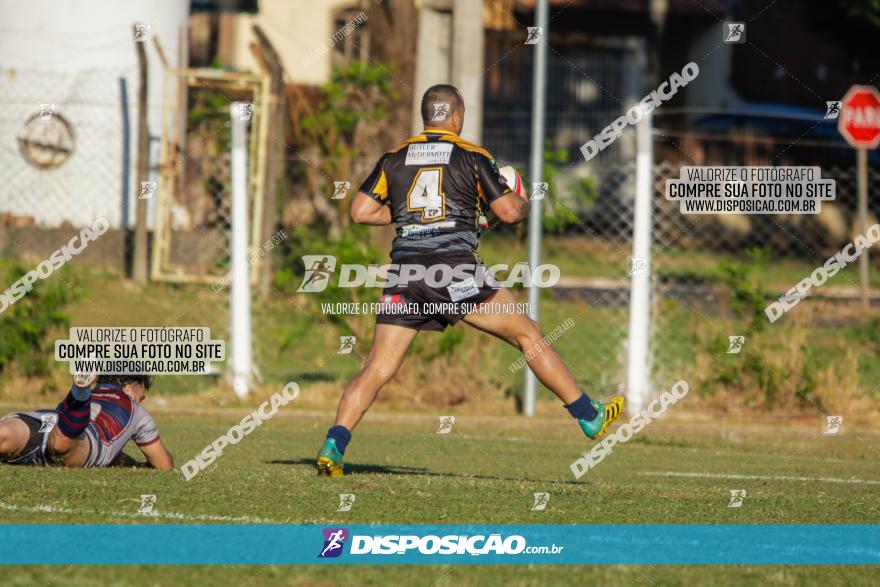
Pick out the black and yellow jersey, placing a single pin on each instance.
(437, 185)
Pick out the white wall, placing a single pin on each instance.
(75, 54)
(298, 29)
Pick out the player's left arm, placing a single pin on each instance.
(508, 206)
(146, 437)
(370, 205)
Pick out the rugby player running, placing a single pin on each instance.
(434, 187)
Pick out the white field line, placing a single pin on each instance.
(50, 509)
(776, 457)
(760, 477)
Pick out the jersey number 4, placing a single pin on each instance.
(426, 194)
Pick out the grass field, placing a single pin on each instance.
(679, 470)
(485, 471)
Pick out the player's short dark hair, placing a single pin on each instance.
(440, 94)
(123, 380)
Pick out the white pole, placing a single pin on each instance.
(638, 360)
(862, 185)
(536, 167)
(240, 295)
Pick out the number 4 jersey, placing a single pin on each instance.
(437, 185)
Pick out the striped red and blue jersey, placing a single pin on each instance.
(116, 419)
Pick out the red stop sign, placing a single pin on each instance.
(859, 119)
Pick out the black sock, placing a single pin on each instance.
(341, 435)
(582, 408)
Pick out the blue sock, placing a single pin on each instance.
(582, 408)
(341, 435)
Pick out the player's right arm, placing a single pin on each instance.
(512, 208)
(366, 210)
(370, 205)
(157, 455)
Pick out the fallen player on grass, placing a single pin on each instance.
(88, 429)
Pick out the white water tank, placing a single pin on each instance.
(76, 62)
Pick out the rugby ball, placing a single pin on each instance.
(512, 179)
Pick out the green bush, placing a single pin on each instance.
(748, 295)
(26, 325)
(561, 213)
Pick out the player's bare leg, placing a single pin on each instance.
(14, 434)
(390, 344)
(525, 334)
(70, 452)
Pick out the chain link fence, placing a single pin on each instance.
(63, 160)
(711, 276)
(65, 155)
